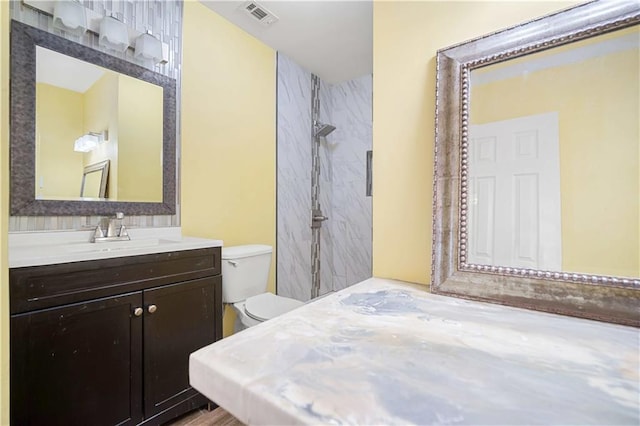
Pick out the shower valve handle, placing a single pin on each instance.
(317, 218)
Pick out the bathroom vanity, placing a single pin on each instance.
(101, 333)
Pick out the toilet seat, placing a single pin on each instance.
(267, 305)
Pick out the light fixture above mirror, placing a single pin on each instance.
(72, 13)
(70, 16)
(148, 47)
(114, 34)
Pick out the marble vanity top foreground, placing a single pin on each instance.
(384, 352)
(48, 248)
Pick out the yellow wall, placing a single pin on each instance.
(140, 140)
(598, 107)
(59, 168)
(4, 212)
(100, 114)
(228, 134)
(406, 37)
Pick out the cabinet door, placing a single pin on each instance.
(179, 319)
(78, 364)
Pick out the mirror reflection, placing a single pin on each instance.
(121, 118)
(554, 159)
(94, 181)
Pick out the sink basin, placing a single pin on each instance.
(113, 245)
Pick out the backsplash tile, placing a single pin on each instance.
(164, 20)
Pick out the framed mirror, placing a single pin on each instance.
(537, 174)
(73, 107)
(94, 180)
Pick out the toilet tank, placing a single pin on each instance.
(245, 271)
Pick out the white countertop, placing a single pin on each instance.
(384, 352)
(47, 248)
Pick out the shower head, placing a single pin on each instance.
(323, 130)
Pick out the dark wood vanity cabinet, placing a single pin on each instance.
(173, 330)
(107, 342)
(78, 363)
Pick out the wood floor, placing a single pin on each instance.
(202, 417)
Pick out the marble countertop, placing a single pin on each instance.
(387, 352)
(48, 248)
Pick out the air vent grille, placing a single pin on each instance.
(259, 13)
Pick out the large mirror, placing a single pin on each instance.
(73, 108)
(538, 165)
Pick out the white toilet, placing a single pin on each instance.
(245, 273)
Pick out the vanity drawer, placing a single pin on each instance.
(38, 287)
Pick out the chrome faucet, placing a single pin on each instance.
(116, 230)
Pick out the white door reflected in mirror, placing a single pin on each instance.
(579, 211)
(514, 193)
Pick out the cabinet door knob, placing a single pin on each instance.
(152, 308)
(138, 311)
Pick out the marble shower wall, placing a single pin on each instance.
(293, 159)
(164, 19)
(350, 216)
(346, 236)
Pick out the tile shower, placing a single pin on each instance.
(345, 239)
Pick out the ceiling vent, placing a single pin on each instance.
(259, 13)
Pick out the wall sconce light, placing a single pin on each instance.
(148, 47)
(90, 141)
(113, 34)
(70, 16)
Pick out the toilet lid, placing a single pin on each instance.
(267, 305)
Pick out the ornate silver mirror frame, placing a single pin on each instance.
(605, 298)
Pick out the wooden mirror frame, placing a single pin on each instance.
(605, 298)
(24, 40)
